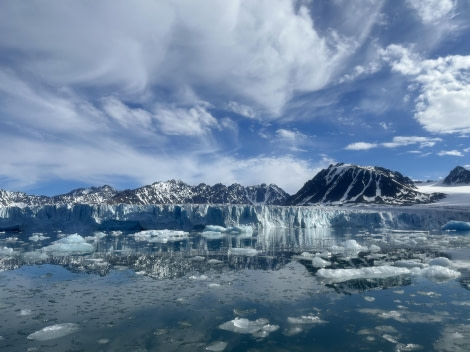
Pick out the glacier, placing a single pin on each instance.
(105, 217)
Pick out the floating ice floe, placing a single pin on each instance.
(440, 261)
(160, 236)
(242, 229)
(259, 327)
(318, 262)
(38, 237)
(54, 332)
(70, 245)
(7, 252)
(439, 273)
(217, 346)
(456, 226)
(305, 319)
(349, 248)
(249, 252)
(340, 275)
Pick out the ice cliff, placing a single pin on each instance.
(81, 217)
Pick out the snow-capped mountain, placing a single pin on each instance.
(178, 192)
(8, 198)
(347, 183)
(93, 195)
(458, 176)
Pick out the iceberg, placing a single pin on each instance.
(259, 327)
(341, 275)
(439, 273)
(70, 245)
(456, 226)
(160, 236)
(54, 332)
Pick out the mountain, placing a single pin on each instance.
(8, 198)
(178, 192)
(93, 195)
(348, 183)
(458, 176)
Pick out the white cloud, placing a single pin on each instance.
(242, 109)
(431, 11)
(361, 146)
(450, 153)
(195, 121)
(400, 141)
(291, 136)
(444, 100)
(255, 52)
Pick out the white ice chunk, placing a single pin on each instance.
(339, 275)
(160, 236)
(70, 245)
(217, 346)
(7, 252)
(38, 237)
(350, 248)
(214, 228)
(306, 319)
(440, 261)
(260, 327)
(54, 332)
(408, 347)
(439, 273)
(318, 262)
(374, 248)
(249, 252)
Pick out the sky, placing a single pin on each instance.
(127, 93)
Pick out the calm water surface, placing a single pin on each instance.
(233, 291)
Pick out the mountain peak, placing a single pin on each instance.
(349, 183)
(458, 176)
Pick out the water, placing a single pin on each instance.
(195, 293)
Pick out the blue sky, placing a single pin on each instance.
(248, 91)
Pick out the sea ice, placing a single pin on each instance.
(217, 346)
(318, 262)
(70, 245)
(440, 261)
(160, 236)
(456, 226)
(38, 237)
(54, 332)
(305, 319)
(340, 275)
(439, 273)
(245, 326)
(6, 252)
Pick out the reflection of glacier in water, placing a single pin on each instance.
(235, 289)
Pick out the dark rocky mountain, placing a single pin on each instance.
(178, 192)
(458, 176)
(347, 183)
